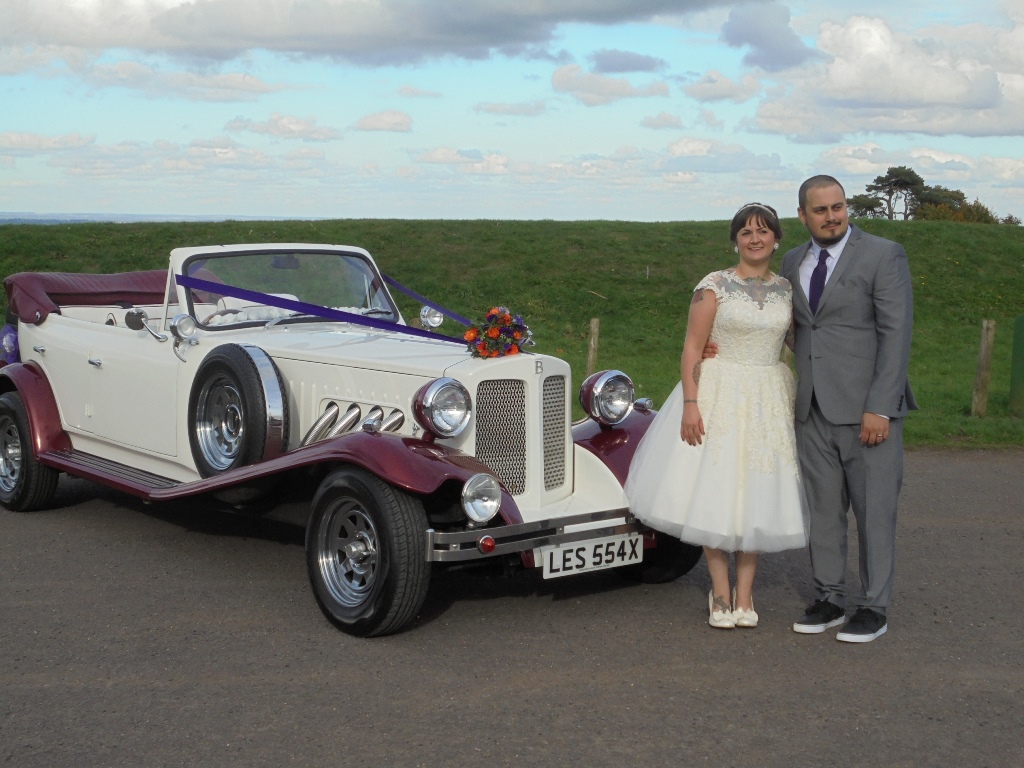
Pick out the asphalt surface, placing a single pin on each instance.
(135, 635)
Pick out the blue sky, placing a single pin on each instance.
(645, 110)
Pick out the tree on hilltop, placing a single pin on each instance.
(900, 184)
(902, 191)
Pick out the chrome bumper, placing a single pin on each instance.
(460, 546)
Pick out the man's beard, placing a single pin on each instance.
(825, 242)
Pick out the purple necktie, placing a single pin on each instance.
(818, 280)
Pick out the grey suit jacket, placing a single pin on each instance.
(854, 353)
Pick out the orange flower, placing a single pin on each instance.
(494, 311)
(481, 345)
(506, 319)
(517, 335)
(493, 333)
(471, 334)
(513, 350)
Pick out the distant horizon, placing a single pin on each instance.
(63, 217)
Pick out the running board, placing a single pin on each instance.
(111, 473)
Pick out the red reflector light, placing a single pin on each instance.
(485, 544)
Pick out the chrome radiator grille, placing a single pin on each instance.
(554, 422)
(501, 430)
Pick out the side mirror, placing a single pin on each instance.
(137, 320)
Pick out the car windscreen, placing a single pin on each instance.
(284, 286)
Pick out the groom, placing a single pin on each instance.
(853, 312)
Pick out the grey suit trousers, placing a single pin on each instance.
(839, 472)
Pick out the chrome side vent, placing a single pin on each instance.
(501, 431)
(553, 429)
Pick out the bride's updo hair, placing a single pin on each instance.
(760, 214)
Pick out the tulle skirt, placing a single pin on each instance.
(740, 489)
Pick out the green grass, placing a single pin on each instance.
(636, 277)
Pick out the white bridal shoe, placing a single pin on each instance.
(743, 617)
(719, 616)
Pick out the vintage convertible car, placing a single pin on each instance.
(244, 365)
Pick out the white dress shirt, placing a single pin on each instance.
(811, 261)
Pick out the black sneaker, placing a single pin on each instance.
(819, 616)
(863, 627)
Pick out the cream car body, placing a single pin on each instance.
(132, 370)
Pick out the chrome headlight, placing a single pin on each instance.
(481, 497)
(443, 407)
(607, 397)
(183, 327)
(430, 317)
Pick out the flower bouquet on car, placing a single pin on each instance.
(500, 333)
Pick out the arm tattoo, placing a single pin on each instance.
(697, 297)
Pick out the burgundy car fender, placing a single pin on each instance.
(413, 464)
(40, 406)
(614, 446)
(406, 462)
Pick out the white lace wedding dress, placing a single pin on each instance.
(740, 489)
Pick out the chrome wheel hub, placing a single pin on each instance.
(10, 454)
(220, 422)
(347, 549)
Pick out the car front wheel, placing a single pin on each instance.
(25, 484)
(366, 553)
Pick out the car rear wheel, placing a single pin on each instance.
(366, 553)
(669, 560)
(237, 414)
(25, 484)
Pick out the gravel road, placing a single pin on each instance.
(135, 635)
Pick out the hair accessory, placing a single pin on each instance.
(762, 206)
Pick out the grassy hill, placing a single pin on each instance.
(636, 277)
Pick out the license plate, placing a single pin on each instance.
(592, 555)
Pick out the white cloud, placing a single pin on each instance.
(133, 76)
(368, 31)
(764, 28)
(519, 109)
(714, 86)
(471, 161)
(663, 120)
(285, 127)
(609, 60)
(413, 92)
(389, 120)
(594, 90)
(691, 154)
(689, 147)
(13, 143)
(881, 81)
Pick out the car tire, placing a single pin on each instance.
(25, 484)
(366, 553)
(669, 560)
(237, 414)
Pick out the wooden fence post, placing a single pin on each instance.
(595, 330)
(979, 401)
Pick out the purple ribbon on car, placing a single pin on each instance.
(318, 311)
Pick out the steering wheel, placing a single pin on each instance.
(221, 313)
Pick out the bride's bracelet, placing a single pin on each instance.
(689, 401)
